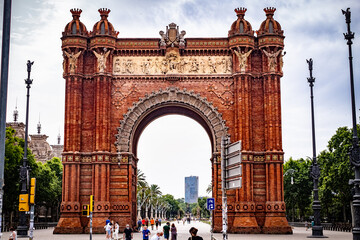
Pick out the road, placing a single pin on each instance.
(183, 234)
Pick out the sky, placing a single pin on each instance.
(313, 29)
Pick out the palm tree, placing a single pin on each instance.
(209, 188)
(141, 179)
(155, 193)
(142, 196)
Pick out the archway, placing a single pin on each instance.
(112, 79)
(171, 148)
(171, 101)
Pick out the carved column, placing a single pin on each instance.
(243, 207)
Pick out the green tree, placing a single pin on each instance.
(174, 205)
(297, 188)
(335, 191)
(14, 153)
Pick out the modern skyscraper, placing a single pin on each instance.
(191, 189)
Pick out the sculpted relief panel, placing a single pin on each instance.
(172, 63)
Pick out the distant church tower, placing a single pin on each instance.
(58, 148)
(19, 127)
(39, 146)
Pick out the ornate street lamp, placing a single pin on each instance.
(354, 151)
(22, 229)
(317, 229)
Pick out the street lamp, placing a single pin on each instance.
(22, 229)
(291, 172)
(317, 229)
(354, 150)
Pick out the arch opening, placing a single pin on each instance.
(171, 109)
(171, 148)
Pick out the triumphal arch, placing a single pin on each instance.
(115, 86)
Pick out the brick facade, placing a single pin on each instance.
(116, 86)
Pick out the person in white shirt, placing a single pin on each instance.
(13, 235)
(157, 236)
(116, 231)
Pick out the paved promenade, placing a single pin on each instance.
(204, 231)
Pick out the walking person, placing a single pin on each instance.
(108, 229)
(160, 222)
(13, 234)
(116, 231)
(173, 231)
(166, 229)
(152, 222)
(157, 235)
(147, 222)
(146, 233)
(193, 231)
(157, 223)
(143, 222)
(139, 223)
(128, 233)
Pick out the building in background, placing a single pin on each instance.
(191, 189)
(38, 144)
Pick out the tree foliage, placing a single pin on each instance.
(48, 176)
(335, 191)
(297, 192)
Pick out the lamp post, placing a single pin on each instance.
(291, 172)
(317, 229)
(354, 151)
(22, 229)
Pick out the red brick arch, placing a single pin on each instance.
(169, 101)
(115, 86)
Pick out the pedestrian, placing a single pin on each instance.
(306, 225)
(128, 233)
(139, 223)
(147, 222)
(193, 231)
(143, 222)
(152, 222)
(160, 222)
(146, 233)
(116, 231)
(157, 223)
(13, 234)
(108, 229)
(173, 231)
(157, 235)
(166, 229)
(312, 223)
(112, 224)
(184, 220)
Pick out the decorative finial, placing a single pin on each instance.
(58, 138)
(240, 12)
(269, 11)
(16, 114)
(76, 13)
(39, 126)
(104, 12)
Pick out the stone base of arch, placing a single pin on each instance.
(244, 223)
(68, 225)
(276, 223)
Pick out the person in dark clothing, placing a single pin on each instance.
(128, 233)
(157, 223)
(193, 231)
(166, 230)
(139, 223)
(173, 231)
